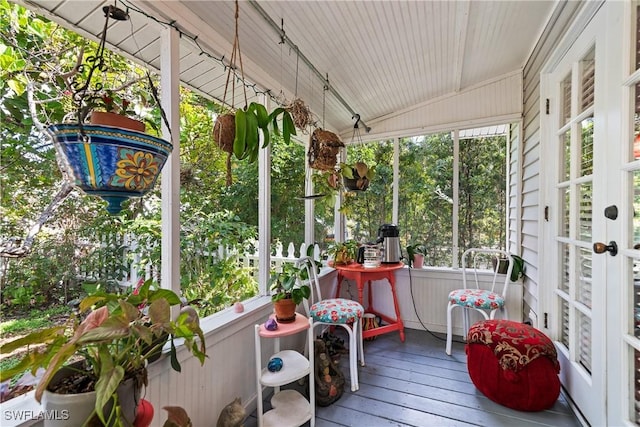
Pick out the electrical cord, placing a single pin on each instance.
(415, 310)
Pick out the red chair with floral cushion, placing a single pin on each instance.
(485, 287)
(513, 364)
(341, 312)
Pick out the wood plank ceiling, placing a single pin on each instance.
(380, 57)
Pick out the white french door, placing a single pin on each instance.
(625, 383)
(593, 187)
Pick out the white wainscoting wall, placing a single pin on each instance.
(229, 371)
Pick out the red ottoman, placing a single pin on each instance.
(513, 364)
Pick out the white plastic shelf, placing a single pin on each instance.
(290, 408)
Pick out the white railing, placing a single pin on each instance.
(131, 268)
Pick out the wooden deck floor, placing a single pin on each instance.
(416, 384)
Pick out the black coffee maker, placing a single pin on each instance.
(389, 236)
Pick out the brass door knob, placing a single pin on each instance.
(601, 248)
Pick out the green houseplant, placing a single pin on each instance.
(501, 265)
(343, 252)
(413, 250)
(238, 132)
(356, 176)
(111, 340)
(287, 291)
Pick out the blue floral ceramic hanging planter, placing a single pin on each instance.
(112, 163)
(108, 158)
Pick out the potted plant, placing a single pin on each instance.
(343, 252)
(111, 108)
(324, 147)
(357, 176)
(109, 341)
(350, 177)
(237, 132)
(416, 254)
(109, 159)
(287, 291)
(518, 268)
(501, 265)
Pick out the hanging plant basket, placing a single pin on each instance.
(114, 164)
(356, 177)
(323, 149)
(224, 132)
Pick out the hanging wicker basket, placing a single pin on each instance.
(324, 149)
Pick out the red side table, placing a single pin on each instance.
(361, 275)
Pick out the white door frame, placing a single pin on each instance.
(588, 391)
(607, 392)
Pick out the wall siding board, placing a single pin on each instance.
(560, 20)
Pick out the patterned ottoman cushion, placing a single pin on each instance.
(513, 364)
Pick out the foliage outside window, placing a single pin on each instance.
(426, 196)
(426, 206)
(81, 245)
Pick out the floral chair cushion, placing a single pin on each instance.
(476, 298)
(336, 310)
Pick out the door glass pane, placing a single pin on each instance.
(636, 209)
(636, 122)
(565, 163)
(634, 309)
(584, 341)
(564, 315)
(584, 276)
(586, 147)
(564, 228)
(636, 385)
(564, 280)
(566, 99)
(588, 67)
(584, 225)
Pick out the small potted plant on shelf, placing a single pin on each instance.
(104, 349)
(416, 254)
(287, 291)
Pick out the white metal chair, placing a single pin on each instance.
(336, 312)
(484, 288)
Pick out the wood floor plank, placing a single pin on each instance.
(386, 411)
(416, 384)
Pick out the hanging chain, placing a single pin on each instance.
(97, 63)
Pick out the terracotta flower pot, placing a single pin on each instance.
(285, 310)
(418, 260)
(116, 120)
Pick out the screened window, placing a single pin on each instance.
(452, 202)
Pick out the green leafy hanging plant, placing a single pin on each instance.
(250, 121)
(243, 139)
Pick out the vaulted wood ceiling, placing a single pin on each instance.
(380, 57)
